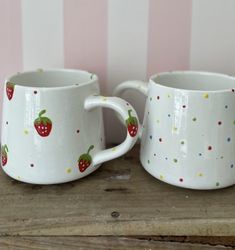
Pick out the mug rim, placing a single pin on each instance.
(153, 78)
(67, 70)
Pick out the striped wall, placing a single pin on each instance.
(117, 39)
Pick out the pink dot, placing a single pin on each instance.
(181, 179)
(209, 148)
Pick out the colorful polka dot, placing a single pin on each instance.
(113, 149)
(169, 115)
(226, 106)
(219, 123)
(182, 142)
(154, 154)
(200, 154)
(231, 166)
(206, 96)
(31, 165)
(168, 96)
(158, 121)
(166, 158)
(184, 106)
(26, 132)
(200, 174)
(209, 148)
(181, 179)
(150, 99)
(160, 139)
(221, 157)
(228, 139)
(217, 184)
(234, 122)
(35, 92)
(161, 177)
(104, 99)
(194, 119)
(148, 161)
(158, 97)
(150, 137)
(175, 129)
(127, 104)
(6, 122)
(233, 90)
(68, 170)
(78, 131)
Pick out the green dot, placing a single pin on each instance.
(182, 142)
(148, 161)
(234, 122)
(217, 184)
(194, 119)
(151, 99)
(175, 160)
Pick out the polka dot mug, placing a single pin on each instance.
(52, 126)
(188, 132)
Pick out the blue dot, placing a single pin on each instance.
(166, 158)
(200, 154)
(169, 115)
(154, 154)
(228, 139)
(150, 137)
(231, 165)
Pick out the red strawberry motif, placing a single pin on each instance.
(43, 125)
(85, 160)
(10, 90)
(132, 124)
(4, 152)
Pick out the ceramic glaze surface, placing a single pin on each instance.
(188, 135)
(52, 128)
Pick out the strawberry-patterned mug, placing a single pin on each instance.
(52, 126)
(188, 132)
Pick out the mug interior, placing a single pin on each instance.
(193, 80)
(52, 78)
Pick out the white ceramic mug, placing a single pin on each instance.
(188, 134)
(52, 126)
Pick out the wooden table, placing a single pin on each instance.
(120, 206)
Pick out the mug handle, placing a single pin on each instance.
(129, 116)
(140, 86)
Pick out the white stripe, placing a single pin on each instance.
(127, 47)
(42, 24)
(213, 36)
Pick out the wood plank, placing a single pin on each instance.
(118, 199)
(88, 243)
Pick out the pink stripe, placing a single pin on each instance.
(10, 42)
(169, 35)
(85, 31)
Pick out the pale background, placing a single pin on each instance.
(117, 39)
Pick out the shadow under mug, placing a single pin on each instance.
(52, 126)
(188, 132)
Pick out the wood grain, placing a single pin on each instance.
(119, 199)
(97, 243)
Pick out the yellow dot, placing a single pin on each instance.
(26, 132)
(113, 149)
(40, 70)
(68, 170)
(174, 129)
(206, 95)
(18, 177)
(104, 99)
(200, 174)
(161, 177)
